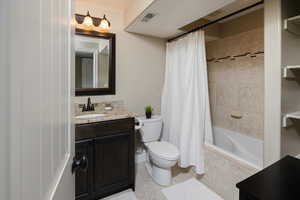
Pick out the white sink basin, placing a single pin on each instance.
(89, 116)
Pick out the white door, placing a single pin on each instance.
(36, 66)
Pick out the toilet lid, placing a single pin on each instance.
(164, 150)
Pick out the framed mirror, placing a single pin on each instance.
(94, 63)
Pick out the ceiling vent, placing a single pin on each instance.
(148, 17)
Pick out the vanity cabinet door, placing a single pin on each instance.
(114, 163)
(83, 177)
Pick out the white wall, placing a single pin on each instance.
(140, 63)
(39, 97)
(4, 156)
(272, 123)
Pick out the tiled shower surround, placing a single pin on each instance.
(236, 87)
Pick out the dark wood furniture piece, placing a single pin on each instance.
(111, 90)
(108, 147)
(280, 181)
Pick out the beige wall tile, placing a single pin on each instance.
(252, 125)
(250, 99)
(212, 95)
(237, 86)
(227, 95)
(222, 118)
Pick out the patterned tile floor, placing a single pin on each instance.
(146, 189)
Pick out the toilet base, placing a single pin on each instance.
(160, 175)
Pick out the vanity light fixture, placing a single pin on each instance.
(88, 21)
(104, 24)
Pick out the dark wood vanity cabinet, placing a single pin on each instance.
(109, 147)
(279, 181)
(84, 178)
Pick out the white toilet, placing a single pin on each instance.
(161, 156)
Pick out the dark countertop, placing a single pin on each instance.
(280, 181)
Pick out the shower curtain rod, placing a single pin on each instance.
(217, 20)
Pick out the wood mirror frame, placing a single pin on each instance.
(111, 90)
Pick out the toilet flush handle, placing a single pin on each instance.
(138, 124)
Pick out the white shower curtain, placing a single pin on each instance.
(185, 100)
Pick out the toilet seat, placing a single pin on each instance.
(164, 150)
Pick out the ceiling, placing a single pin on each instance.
(235, 6)
(170, 15)
(112, 4)
(230, 8)
(173, 17)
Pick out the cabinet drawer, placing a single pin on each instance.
(85, 131)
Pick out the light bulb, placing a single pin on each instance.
(88, 21)
(104, 25)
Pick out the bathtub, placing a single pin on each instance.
(240, 147)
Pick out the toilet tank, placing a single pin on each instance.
(151, 128)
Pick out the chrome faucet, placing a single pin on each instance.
(89, 106)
